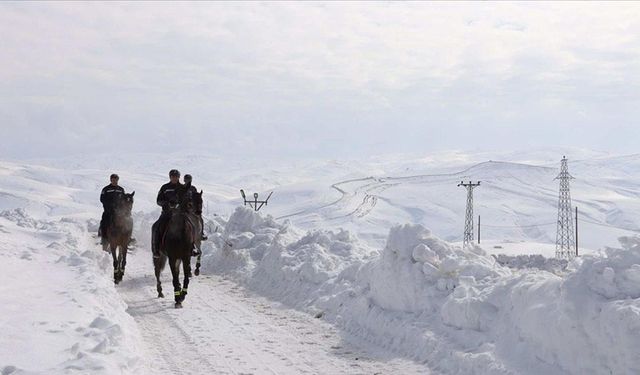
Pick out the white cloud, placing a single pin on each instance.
(321, 78)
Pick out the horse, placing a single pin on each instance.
(182, 233)
(118, 234)
(196, 215)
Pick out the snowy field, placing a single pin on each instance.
(354, 267)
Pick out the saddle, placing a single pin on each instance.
(191, 227)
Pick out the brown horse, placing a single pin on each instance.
(183, 232)
(118, 234)
(195, 214)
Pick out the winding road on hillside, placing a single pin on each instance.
(358, 197)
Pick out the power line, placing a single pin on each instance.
(519, 226)
(609, 225)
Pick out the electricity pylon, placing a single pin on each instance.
(468, 220)
(565, 239)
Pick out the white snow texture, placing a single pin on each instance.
(457, 308)
(355, 253)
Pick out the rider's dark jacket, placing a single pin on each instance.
(109, 196)
(191, 192)
(168, 194)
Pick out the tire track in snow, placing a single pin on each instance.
(224, 330)
(173, 349)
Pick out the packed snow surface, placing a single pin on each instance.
(337, 274)
(457, 309)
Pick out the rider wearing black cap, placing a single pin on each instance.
(167, 196)
(193, 190)
(108, 197)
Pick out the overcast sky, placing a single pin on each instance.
(317, 79)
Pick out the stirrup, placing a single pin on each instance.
(196, 252)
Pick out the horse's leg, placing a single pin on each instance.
(120, 273)
(175, 272)
(158, 265)
(154, 227)
(124, 249)
(197, 271)
(186, 264)
(105, 240)
(115, 261)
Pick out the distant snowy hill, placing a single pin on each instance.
(342, 240)
(517, 198)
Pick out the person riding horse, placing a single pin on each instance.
(177, 233)
(191, 192)
(167, 197)
(109, 197)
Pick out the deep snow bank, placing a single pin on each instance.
(537, 261)
(60, 312)
(456, 308)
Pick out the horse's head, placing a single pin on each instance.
(197, 203)
(125, 203)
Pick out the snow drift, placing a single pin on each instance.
(60, 311)
(456, 308)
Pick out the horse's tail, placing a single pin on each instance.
(160, 262)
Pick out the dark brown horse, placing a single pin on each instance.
(183, 232)
(196, 215)
(118, 234)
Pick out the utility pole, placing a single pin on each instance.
(565, 240)
(478, 229)
(255, 203)
(576, 230)
(468, 220)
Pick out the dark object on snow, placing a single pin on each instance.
(109, 196)
(176, 240)
(191, 192)
(255, 203)
(116, 234)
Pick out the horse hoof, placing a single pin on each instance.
(160, 295)
(197, 272)
(178, 305)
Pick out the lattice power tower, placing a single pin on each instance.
(468, 220)
(565, 238)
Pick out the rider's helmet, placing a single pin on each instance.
(187, 178)
(114, 176)
(174, 172)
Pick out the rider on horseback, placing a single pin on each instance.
(190, 193)
(109, 197)
(167, 197)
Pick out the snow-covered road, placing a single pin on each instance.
(224, 329)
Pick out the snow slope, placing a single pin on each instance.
(338, 247)
(60, 312)
(457, 310)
